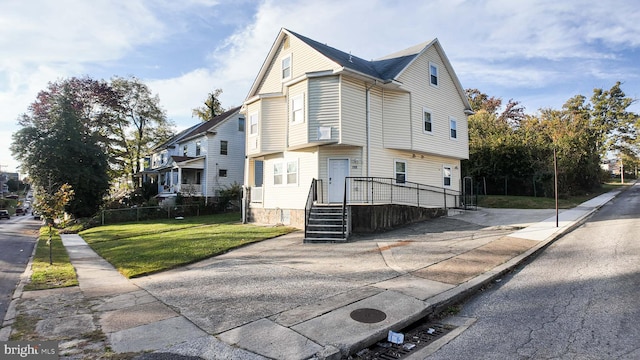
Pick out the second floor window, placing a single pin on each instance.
(253, 124)
(198, 148)
(433, 74)
(223, 147)
(453, 124)
(297, 109)
(427, 119)
(185, 150)
(286, 67)
(241, 124)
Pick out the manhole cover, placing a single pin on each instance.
(368, 316)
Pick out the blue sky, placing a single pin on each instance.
(538, 52)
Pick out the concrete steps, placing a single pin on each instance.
(326, 224)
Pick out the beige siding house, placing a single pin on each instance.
(317, 115)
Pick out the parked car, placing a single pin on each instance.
(4, 214)
(20, 211)
(36, 215)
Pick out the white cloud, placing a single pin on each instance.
(536, 49)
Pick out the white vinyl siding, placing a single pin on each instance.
(324, 107)
(444, 101)
(397, 119)
(297, 129)
(292, 196)
(353, 110)
(304, 59)
(271, 128)
(232, 163)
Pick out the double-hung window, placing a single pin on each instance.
(400, 171)
(198, 148)
(253, 123)
(185, 150)
(297, 109)
(241, 124)
(285, 173)
(453, 127)
(286, 67)
(224, 145)
(427, 120)
(433, 74)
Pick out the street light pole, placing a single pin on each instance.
(555, 176)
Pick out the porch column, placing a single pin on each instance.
(180, 176)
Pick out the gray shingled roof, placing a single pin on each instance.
(196, 129)
(386, 69)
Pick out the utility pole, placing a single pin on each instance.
(2, 177)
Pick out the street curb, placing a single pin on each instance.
(10, 316)
(439, 303)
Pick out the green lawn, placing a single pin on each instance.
(142, 248)
(530, 202)
(45, 276)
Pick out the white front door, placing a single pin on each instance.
(338, 171)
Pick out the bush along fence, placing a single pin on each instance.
(147, 213)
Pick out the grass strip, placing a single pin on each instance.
(153, 247)
(48, 276)
(530, 202)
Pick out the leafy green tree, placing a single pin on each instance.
(212, 107)
(141, 123)
(58, 144)
(614, 125)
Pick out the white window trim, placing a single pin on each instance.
(292, 111)
(254, 115)
(282, 68)
(427, 110)
(286, 164)
(395, 170)
(452, 121)
(450, 175)
(285, 172)
(437, 74)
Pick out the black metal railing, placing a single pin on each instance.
(377, 190)
(316, 193)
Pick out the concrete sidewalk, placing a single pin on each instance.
(283, 299)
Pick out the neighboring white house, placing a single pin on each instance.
(315, 112)
(201, 160)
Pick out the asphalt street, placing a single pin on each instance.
(17, 238)
(577, 300)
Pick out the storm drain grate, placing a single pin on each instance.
(414, 339)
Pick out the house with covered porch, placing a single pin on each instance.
(327, 127)
(200, 160)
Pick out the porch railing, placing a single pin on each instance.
(377, 190)
(316, 193)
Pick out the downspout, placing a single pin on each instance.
(368, 124)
